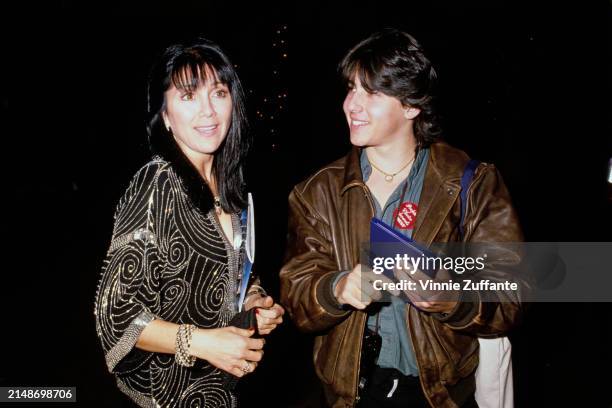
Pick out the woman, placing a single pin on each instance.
(169, 281)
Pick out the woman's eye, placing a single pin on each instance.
(188, 96)
(221, 93)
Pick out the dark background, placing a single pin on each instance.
(525, 85)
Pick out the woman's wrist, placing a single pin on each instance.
(200, 343)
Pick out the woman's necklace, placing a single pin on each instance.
(217, 202)
(216, 198)
(389, 176)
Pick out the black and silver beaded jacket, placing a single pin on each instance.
(167, 260)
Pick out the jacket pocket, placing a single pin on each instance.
(460, 356)
(335, 357)
(323, 364)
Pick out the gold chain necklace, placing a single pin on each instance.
(389, 176)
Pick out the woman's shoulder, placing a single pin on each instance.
(151, 172)
(154, 166)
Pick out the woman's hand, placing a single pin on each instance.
(269, 314)
(228, 348)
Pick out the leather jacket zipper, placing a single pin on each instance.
(366, 192)
(356, 381)
(369, 197)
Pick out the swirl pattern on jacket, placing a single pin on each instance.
(170, 261)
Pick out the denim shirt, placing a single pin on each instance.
(396, 350)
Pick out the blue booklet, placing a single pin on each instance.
(386, 242)
(247, 220)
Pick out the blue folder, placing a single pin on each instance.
(387, 242)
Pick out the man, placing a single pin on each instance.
(399, 172)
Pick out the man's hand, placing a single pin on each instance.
(356, 288)
(435, 301)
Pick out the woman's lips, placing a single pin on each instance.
(206, 130)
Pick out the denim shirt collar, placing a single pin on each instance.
(417, 167)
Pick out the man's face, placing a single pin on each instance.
(375, 119)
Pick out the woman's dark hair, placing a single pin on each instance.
(187, 66)
(393, 62)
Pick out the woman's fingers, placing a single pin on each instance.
(267, 329)
(236, 371)
(269, 318)
(232, 350)
(255, 344)
(242, 367)
(261, 321)
(242, 332)
(271, 313)
(263, 302)
(252, 355)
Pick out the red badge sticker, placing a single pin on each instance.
(405, 215)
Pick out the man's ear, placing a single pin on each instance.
(411, 112)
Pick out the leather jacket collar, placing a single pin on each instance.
(440, 190)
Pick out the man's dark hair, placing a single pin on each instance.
(393, 62)
(188, 66)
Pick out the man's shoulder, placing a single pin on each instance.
(450, 163)
(447, 153)
(447, 160)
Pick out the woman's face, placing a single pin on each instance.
(199, 119)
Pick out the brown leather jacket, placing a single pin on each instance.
(328, 222)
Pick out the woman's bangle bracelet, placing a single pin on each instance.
(182, 345)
